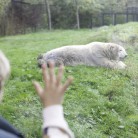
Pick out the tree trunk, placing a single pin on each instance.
(48, 11)
(77, 14)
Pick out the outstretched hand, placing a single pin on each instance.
(54, 89)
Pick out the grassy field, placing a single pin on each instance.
(101, 103)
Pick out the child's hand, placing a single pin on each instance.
(53, 91)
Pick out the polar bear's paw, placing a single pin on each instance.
(121, 65)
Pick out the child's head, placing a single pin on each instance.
(4, 71)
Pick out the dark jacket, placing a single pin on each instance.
(8, 131)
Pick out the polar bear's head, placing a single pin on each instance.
(122, 53)
(116, 52)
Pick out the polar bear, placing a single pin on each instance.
(101, 54)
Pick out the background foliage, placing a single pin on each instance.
(32, 15)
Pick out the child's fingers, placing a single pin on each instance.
(67, 83)
(45, 74)
(51, 72)
(38, 88)
(60, 74)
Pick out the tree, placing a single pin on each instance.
(86, 8)
(3, 21)
(77, 13)
(73, 13)
(114, 5)
(3, 5)
(48, 14)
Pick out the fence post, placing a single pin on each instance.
(91, 21)
(133, 16)
(115, 18)
(102, 19)
(127, 16)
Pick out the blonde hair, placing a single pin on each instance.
(4, 71)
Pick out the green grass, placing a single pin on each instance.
(101, 103)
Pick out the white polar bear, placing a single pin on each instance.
(101, 54)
